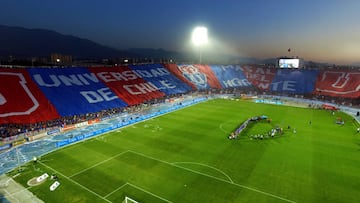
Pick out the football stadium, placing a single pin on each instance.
(172, 132)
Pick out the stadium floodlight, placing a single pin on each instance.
(199, 38)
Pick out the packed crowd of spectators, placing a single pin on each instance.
(11, 130)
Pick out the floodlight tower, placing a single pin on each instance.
(199, 38)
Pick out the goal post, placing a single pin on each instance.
(130, 200)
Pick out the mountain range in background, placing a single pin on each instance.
(21, 42)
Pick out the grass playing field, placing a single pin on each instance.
(185, 156)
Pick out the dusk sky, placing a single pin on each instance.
(321, 30)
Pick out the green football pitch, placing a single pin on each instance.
(185, 156)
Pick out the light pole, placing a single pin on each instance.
(199, 38)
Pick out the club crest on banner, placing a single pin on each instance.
(9, 98)
(193, 74)
(339, 83)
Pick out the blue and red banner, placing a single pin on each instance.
(294, 81)
(173, 68)
(21, 101)
(230, 76)
(159, 77)
(127, 84)
(74, 91)
(338, 83)
(260, 77)
(40, 94)
(201, 76)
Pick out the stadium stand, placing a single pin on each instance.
(43, 99)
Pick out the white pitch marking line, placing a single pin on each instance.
(75, 182)
(115, 190)
(97, 164)
(221, 127)
(200, 164)
(139, 188)
(239, 185)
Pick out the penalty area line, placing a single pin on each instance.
(76, 183)
(99, 163)
(205, 165)
(115, 190)
(139, 188)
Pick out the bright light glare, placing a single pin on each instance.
(199, 36)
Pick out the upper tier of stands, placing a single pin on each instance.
(45, 97)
